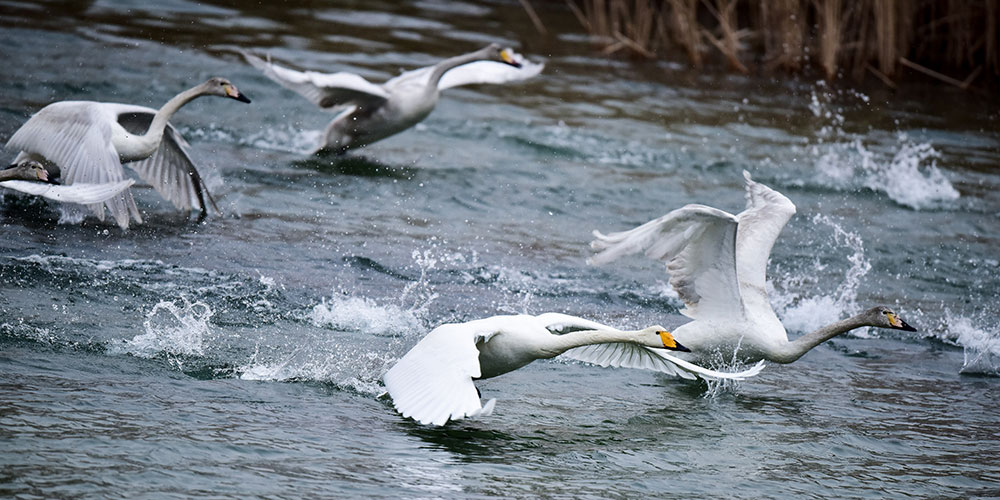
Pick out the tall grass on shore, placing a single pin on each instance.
(843, 38)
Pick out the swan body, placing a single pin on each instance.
(717, 264)
(31, 177)
(371, 112)
(86, 142)
(434, 381)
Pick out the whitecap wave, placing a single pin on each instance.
(175, 329)
(981, 345)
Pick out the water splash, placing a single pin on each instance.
(175, 329)
(981, 344)
(906, 171)
(801, 312)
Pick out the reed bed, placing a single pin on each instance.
(955, 41)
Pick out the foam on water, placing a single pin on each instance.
(906, 171)
(981, 343)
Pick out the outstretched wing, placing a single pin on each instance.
(627, 355)
(698, 245)
(326, 90)
(170, 169)
(760, 224)
(85, 194)
(76, 136)
(433, 382)
(476, 72)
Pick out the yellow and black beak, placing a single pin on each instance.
(669, 342)
(231, 92)
(507, 56)
(898, 323)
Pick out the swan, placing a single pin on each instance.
(87, 142)
(370, 112)
(717, 264)
(31, 177)
(434, 381)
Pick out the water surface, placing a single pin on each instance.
(240, 356)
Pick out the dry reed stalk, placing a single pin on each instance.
(537, 21)
(783, 24)
(830, 29)
(729, 41)
(684, 19)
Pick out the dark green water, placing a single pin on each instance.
(240, 356)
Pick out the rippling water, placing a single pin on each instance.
(241, 356)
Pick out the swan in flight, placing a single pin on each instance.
(31, 177)
(434, 381)
(717, 264)
(370, 112)
(86, 142)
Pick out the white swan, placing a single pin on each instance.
(717, 263)
(87, 142)
(433, 382)
(370, 112)
(31, 177)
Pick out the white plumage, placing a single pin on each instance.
(717, 264)
(434, 381)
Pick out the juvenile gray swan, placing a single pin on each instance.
(30, 177)
(370, 112)
(86, 142)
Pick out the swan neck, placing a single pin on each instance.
(452, 62)
(796, 348)
(151, 139)
(559, 344)
(10, 174)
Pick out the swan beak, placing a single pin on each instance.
(235, 94)
(508, 57)
(669, 342)
(42, 175)
(899, 324)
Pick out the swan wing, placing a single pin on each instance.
(77, 193)
(475, 72)
(169, 169)
(326, 90)
(627, 355)
(76, 136)
(760, 224)
(433, 382)
(698, 245)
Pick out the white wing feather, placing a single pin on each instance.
(477, 72)
(326, 90)
(77, 193)
(698, 245)
(433, 383)
(76, 136)
(760, 225)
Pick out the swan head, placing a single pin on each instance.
(223, 88)
(659, 337)
(883, 317)
(29, 170)
(497, 53)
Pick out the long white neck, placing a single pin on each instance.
(558, 344)
(143, 146)
(795, 349)
(452, 62)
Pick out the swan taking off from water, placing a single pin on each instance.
(433, 382)
(31, 177)
(717, 264)
(86, 142)
(370, 112)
